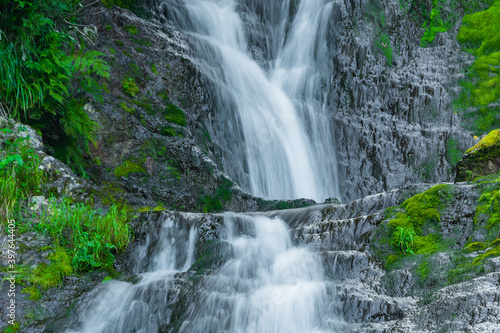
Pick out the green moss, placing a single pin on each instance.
(142, 42)
(34, 293)
(124, 106)
(474, 247)
(453, 153)
(175, 115)
(108, 28)
(131, 29)
(119, 43)
(433, 25)
(384, 44)
(127, 168)
(489, 140)
(47, 276)
(159, 209)
(144, 209)
(138, 49)
(112, 50)
(12, 328)
(153, 69)
(171, 131)
(215, 203)
(129, 87)
(145, 104)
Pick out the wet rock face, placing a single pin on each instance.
(393, 119)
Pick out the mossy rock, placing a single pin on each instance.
(481, 160)
(127, 168)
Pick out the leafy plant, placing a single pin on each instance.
(403, 239)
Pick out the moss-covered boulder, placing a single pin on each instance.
(481, 160)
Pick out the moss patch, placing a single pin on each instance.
(488, 141)
(175, 115)
(129, 167)
(215, 203)
(129, 87)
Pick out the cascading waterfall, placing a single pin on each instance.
(283, 142)
(267, 286)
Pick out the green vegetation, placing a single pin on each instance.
(413, 227)
(383, 43)
(437, 16)
(175, 115)
(129, 167)
(215, 203)
(129, 87)
(131, 29)
(45, 73)
(453, 153)
(153, 69)
(433, 25)
(479, 35)
(119, 3)
(83, 238)
(124, 106)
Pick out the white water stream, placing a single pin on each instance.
(287, 135)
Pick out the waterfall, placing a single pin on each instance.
(267, 286)
(278, 136)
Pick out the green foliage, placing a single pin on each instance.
(44, 72)
(489, 140)
(129, 87)
(215, 203)
(12, 328)
(127, 168)
(479, 34)
(384, 44)
(34, 293)
(153, 69)
(145, 104)
(171, 131)
(124, 106)
(453, 153)
(175, 115)
(413, 227)
(433, 26)
(91, 237)
(403, 239)
(131, 29)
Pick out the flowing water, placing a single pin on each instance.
(278, 136)
(266, 285)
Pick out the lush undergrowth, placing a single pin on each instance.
(46, 73)
(480, 36)
(82, 238)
